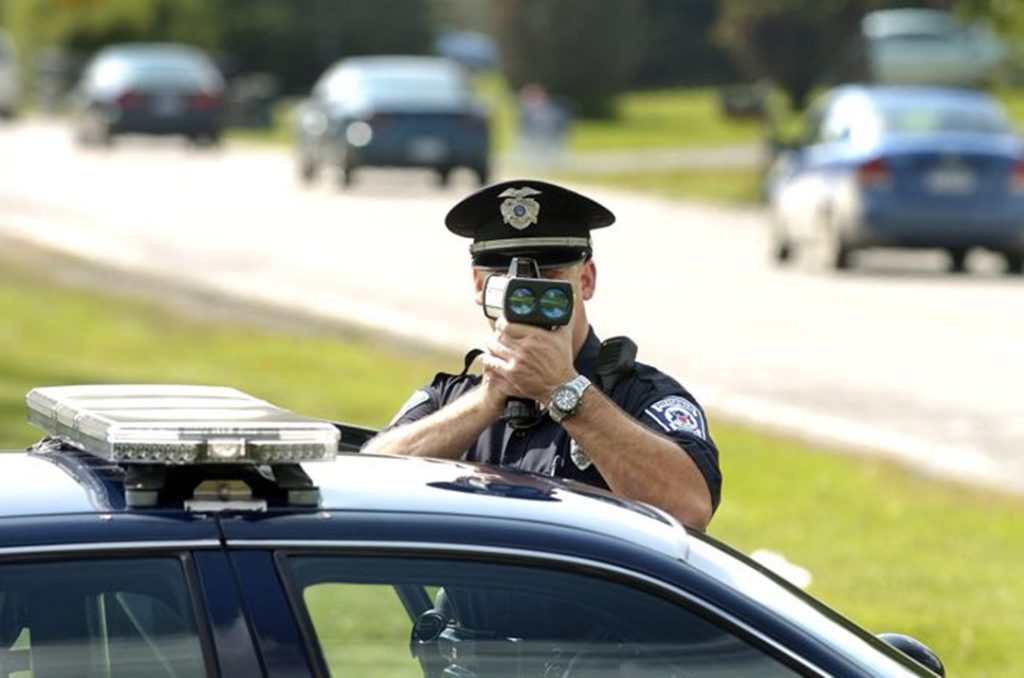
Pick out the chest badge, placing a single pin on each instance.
(518, 209)
(578, 456)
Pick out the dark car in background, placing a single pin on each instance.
(903, 167)
(178, 530)
(158, 89)
(393, 111)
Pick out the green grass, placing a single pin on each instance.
(664, 119)
(646, 120)
(738, 186)
(53, 335)
(1013, 99)
(891, 550)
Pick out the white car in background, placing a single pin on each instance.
(10, 82)
(929, 47)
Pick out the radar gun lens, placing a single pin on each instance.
(555, 304)
(522, 301)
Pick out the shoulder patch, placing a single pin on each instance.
(417, 398)
(675, 414)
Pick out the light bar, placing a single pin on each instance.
(178, 424)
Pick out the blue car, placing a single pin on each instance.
(173, 530)
(903, 167)
(393, 111)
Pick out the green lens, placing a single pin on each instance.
(522, 301)
(554, 304)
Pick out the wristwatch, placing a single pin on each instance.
(566, 398)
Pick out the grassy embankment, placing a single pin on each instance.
(675, 119)
(891, 550)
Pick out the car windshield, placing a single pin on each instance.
(170, 76)
(414, 86)
(157, 67)
(931, 117)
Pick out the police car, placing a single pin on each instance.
(184, 531)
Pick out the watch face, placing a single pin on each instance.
(564, 399)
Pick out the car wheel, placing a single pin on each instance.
(958, 259)
(105, 137)
(83, 137)
(346, 176)
(782, 249)
(309, 170)
(444, 176)
(832, 253)
(208, 140)
(483, 175)
(1014, 262)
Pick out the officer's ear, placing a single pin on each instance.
(588, 279)
(479, 278)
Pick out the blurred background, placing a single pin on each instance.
(820, 233)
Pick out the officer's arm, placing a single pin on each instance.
(446, 433)
(637, 462)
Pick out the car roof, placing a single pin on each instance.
(913, 92)
(151, 48)
(405, 66)
(71, 482)
(400, 61)
(884, 96)
(883, 23)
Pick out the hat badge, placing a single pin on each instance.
(519, 210)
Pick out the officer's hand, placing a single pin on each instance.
(495, 391)
(532, 361)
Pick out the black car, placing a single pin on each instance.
(393, 111)
(185, 531)
(165, 89)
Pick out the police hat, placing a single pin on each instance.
(527, 218)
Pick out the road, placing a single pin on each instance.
(896, 357)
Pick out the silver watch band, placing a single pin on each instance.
(578, 385)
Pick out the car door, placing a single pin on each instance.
(411, 612)
(816, 172)
(313, 118)
(119, 594)
(419, 595)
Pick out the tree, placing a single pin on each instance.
(582, 50)
(794, 43)
(678, 47)
(293, 40)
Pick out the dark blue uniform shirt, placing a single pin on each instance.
(649, 396)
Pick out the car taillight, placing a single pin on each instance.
(204, 101)
(472, 122)
(379, 121)
(1016, 178)
(874, 174)
(130, 100)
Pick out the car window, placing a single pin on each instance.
(431, 617)
(117, 617)
(813, 127)
(425, 84)
(929, 117)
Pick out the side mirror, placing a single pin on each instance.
(916, 650)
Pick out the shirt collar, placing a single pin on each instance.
(586, 359)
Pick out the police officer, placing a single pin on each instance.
(645, 439)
